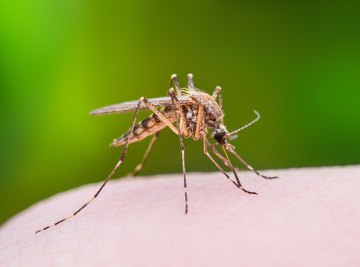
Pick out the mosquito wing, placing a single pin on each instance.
(131, 105)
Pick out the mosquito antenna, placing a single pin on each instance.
(247, 125)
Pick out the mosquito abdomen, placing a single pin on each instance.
(143, 129)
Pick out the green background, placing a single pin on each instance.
(296, 62)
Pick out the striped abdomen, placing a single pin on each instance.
(145, 128)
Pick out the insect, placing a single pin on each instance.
(189, 113)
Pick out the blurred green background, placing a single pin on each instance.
(296, 62)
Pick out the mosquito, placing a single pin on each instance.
(190, 113)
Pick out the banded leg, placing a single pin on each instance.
(139, 167)
(190, 81)
(175, 82)
(120, 161)
(176, 104)
(231, 150)
(159, 114)
(228, 163)
(218, 93)
(200, 123)
(206, 152)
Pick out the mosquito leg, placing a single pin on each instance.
(139, 167)
(206, 152)
(159, 114)
(176, 106)
(178, 109)
(120, 161)
(227, 162)
(218, 93)
(184, 171)
(247, 165)
(200, 122)
(175, 82)
(190, 81)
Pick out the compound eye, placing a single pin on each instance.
(219, 136)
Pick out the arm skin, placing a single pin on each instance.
(307, 217)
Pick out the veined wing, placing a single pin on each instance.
(131, 105)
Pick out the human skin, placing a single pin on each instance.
(307, 217)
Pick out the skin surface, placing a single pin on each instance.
(307, 217)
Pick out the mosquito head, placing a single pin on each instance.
(220, 135)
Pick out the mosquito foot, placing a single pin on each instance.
(249, 192)
(269, 177)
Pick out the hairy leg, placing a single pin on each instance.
(139, 167)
